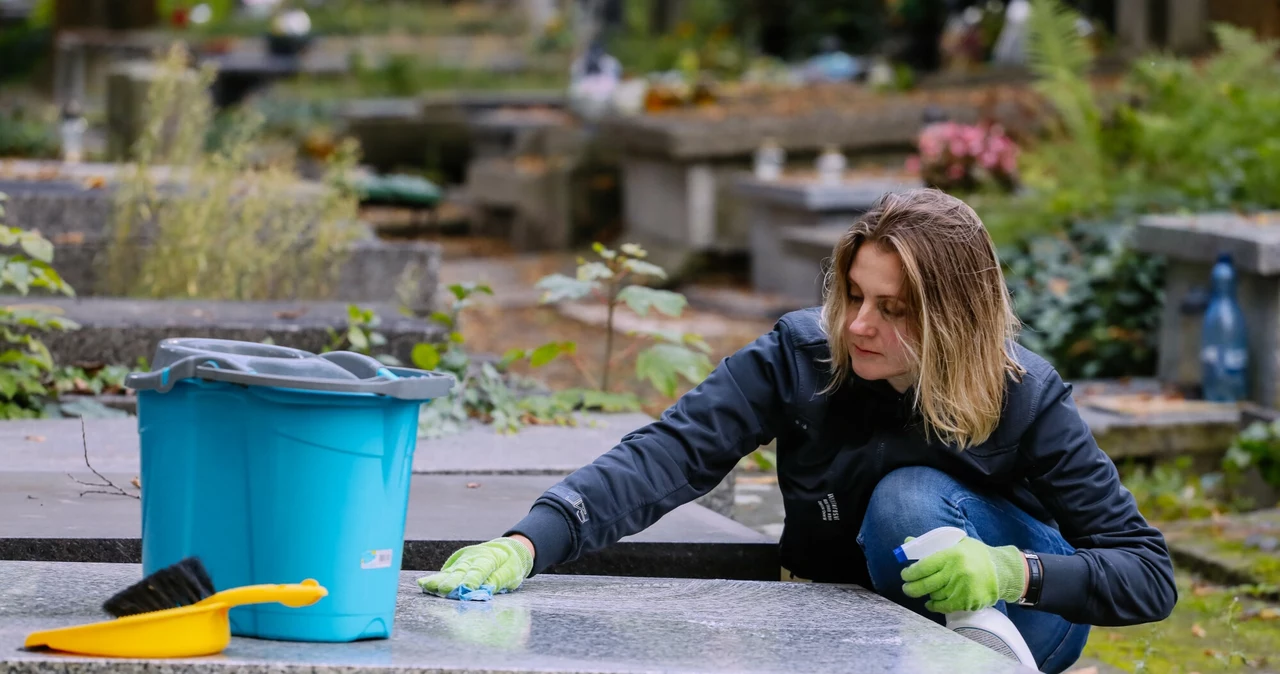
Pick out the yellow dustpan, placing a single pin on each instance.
(191, 631)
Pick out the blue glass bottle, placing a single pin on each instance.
(1224, 351)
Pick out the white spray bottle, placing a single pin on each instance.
(989, 627)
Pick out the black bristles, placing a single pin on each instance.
(181, 584)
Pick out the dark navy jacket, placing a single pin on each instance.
(1042, 457)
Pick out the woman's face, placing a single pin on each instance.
(877, 316)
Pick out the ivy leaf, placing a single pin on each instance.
(462, 291)
(48, 277)
(610, 402)
(359, 341)
(549, 351)
(633, 250)
(425, 356)
(642, 268)
(594, 271)
(697, 342)
(641, 298)
(17, 273)
(558, 287)
(8, 383)
(603, 252)
(664, 364)
(37, 247)
(510, 357)
(442, 318)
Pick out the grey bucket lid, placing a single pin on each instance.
(254, 364)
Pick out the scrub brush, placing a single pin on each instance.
(182, 584)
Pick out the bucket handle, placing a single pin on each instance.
(394, 382)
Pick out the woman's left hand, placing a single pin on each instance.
(967, 576)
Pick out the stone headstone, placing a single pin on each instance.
(551, 624)
(776, 210)
(1191, 244)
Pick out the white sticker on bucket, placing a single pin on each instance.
(376, 559)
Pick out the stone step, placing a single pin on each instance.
(478, 450)
(466, 488)
(48, 519)
(119, 331)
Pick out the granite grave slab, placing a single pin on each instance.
(582, 624)
(679, 167)
(74, 206)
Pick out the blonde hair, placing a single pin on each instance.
(959, 310)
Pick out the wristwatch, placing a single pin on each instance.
(1035, 582)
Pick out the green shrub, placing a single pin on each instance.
(26, 368)
(1089, 303)
(1257, 446)
(28, 133)
(1175, 136)
(225, 226)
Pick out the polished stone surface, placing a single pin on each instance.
(581, 624)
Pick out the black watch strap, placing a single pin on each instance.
(1035, 582)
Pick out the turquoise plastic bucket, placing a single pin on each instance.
(275, 465)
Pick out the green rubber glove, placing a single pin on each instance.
(968, 576)
(477, 572)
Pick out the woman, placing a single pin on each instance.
(903, 405)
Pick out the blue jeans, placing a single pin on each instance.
(911, 501)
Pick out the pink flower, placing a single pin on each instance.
(1009, 164)
(912, 165)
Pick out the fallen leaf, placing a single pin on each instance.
(69, 238)
(136, 482)
(473, 485)
(95, 182)
(290, 314)
(1197, 630)
(1268, 613)
(35, 438)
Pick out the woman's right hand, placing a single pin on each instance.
(499, 565)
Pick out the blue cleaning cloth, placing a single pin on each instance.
(482, 593)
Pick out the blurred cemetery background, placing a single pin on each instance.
(580, 206)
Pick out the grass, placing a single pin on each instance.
(1212, 629)
(362, 17)
(404, 78)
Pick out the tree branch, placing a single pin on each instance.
(84, 440)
